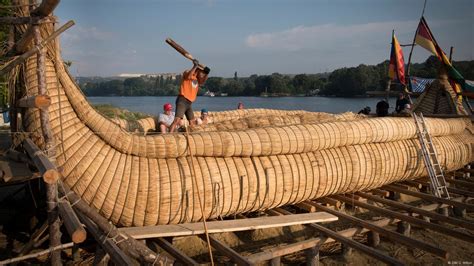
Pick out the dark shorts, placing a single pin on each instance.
(184, 107)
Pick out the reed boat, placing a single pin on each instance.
(248, 160)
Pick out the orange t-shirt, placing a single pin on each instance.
(189, 87)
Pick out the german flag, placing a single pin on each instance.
(425, 39)
(396, 68)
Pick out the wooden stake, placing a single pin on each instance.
(38, 101)
(73, 225)
(51, 189)
(20, 59)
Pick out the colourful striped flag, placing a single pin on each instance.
(425, 39)
(396, 68)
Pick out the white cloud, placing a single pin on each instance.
(327, 35)
(78, 33)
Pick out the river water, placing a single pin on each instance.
(154, 105)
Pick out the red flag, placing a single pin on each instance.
(396, 69)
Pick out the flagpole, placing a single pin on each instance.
(413, 43)
(389, 79)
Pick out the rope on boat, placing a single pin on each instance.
(193, 176)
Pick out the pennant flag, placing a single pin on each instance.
(425, 39)
(419, 84)
(396, 68)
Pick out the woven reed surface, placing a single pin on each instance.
(145, 180)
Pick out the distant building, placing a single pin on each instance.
(171, 76)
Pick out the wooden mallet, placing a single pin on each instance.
(183, 51)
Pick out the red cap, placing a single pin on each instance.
(167, 107)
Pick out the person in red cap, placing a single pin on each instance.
(166, 119)
(187, 94)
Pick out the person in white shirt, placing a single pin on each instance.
(166, 118)
(204, 119)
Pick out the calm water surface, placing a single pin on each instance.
(154, 105)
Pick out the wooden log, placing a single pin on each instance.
(73, 225)
(312, 256)
(109, 246)
(51, 188)
(404, 228)
(226, 250)
(176, 253)
(45, 166)
(379, 192)
(14, 172)
(20, 59)
(46, 7)
(425, 196)
(301, 245)
(354, 244)
(396, 237)
(26, 20)
(461, 183)
(18, 156)
(37, 254)
(38, 101)
(329, 201)
(135, 248)
(413, 209)
(411, 220)
(275, 261)
(33, 240)
(373, 239)
(305, 206)
(450, 189)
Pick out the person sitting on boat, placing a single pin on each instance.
(402, 101)
(381, 109)
(240, 106)
(188, 92)
(204, 119)
(406, 109)
(166, 118)
(365, 111)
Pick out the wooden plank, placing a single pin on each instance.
(410, 219)
(396, 237)
(412, 209)
(226, 250)
(14, 172)
(298, 246)
(425, 196)
(187, 229)
(176, 253)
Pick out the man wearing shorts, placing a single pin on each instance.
(187, 94)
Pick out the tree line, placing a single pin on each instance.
(343, 82)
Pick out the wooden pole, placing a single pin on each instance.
(45, 166)
(51, 188)
(20, 59)
(38, 101)
(425, 196)
(25, 20)
(136, 249)
(451, 54)
(413, 43)
(115, 253)
(73, 225)
(409, 242)
(177, 254)
(409, 219)
(411, 209)
(37, 254)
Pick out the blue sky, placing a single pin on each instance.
(253, 36)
